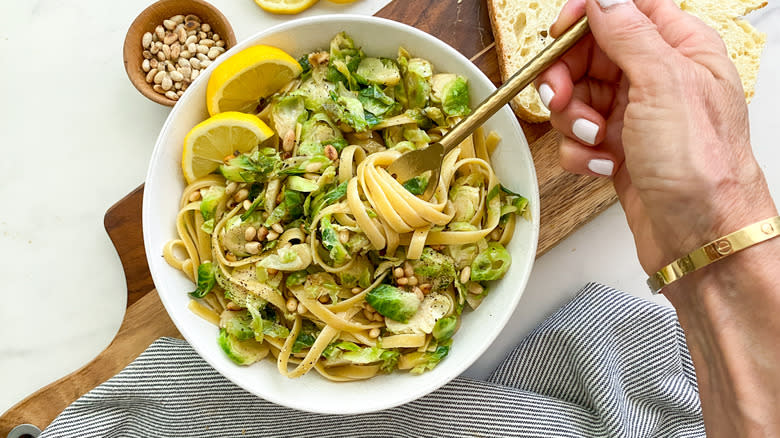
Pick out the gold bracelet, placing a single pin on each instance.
(714, 251)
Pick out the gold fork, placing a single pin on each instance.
(415, 163)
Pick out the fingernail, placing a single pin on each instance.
(602, 167)
(547, 94)
(605, 4)
(585, 130)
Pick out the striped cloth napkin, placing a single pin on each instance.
(605, 365)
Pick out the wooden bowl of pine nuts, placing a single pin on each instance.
(169, 44)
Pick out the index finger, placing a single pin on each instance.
(572, 11)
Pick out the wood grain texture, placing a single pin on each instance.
(123, 225)
(567, 202)
(145, 321)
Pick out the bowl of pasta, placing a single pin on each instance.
(292, 261)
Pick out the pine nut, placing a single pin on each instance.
(408, 270)
(175, 51)
(231, 188)
(185, 54)
(250, 233)
(193, 17)
(398, 272)
(170, 38)
(379, 318)
(412, 280)
(158, 77)
(166, 83)
(344, 236)
(182, 34)
(192, 39)
(331, 152)
(205, 27)
(252, 247)
(230, 257)
(213, 53)
(207, 42)
(356, 290)
(301, 309)
(289, 141)
(161, 55)
(403, 281)
(194, 75)
(201, 56)
(202, 35)
(232, 306)
(166, 49)
(176, 76)
(247, 203)
(368, 314)
(220, 43)
(146, 40)
(241, 195)
(313, 167)
(179, 93)
(373, 333)
(465, 275)
(262, 232)
(178, 19)
(426, 288)
(171, 95)
(216, 37)
(192, 47)
(158, 89)
(194, 196)
(202, 49)
(292, 304)
(272, 235)
(169, 67)
(154, 63)
(272, 271)
(145, 66)
(475, 288)
(160, 32)
(417, 291)
(154, 50)
(278, 228)
(147, 54)
(169, 24)
(323, 299)
(185, 72)
(195, 63)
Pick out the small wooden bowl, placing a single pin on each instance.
(153, 16)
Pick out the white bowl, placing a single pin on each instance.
(164, 184)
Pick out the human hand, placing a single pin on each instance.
(652, 99)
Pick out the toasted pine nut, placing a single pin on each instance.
(292, 304)
(288, 142)
(272, 271)
(241, 195)
(323, 299)
(420, 295)
(373, 333)
(232, 306)
(230, 257)
(356, 290)
(261, 233)
(331, 152)
(252, 247)
(412, 280)
(278, 228)
(398, 272)
(408, 270)
(195, 196)
(231, 188)
(426, 288)
(403, 281)
(368, 314)
(272, 235)
(301, 309)
(313, 167)
(250, 233)
(475, 288)
(465, 275)
(344, 236)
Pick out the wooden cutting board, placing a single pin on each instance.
(567, 202)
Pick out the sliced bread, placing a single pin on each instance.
(521, 28)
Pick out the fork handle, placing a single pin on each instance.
(545, 58)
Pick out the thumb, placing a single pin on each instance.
(629, 38)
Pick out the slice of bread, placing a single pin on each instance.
(520, 28)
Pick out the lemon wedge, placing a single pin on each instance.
(238, 83)
(285, 6)
(210, 141)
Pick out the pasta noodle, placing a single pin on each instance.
(320, 259)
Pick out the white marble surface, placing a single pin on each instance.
(75, 137)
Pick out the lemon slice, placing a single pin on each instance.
(285, 6)
(238, 83)
(210, 141)
(342, 1)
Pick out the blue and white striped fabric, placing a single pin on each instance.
(605, 365)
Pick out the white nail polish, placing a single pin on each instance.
(547, 94)
(585, 130)
(602, 167)
(609, 3)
